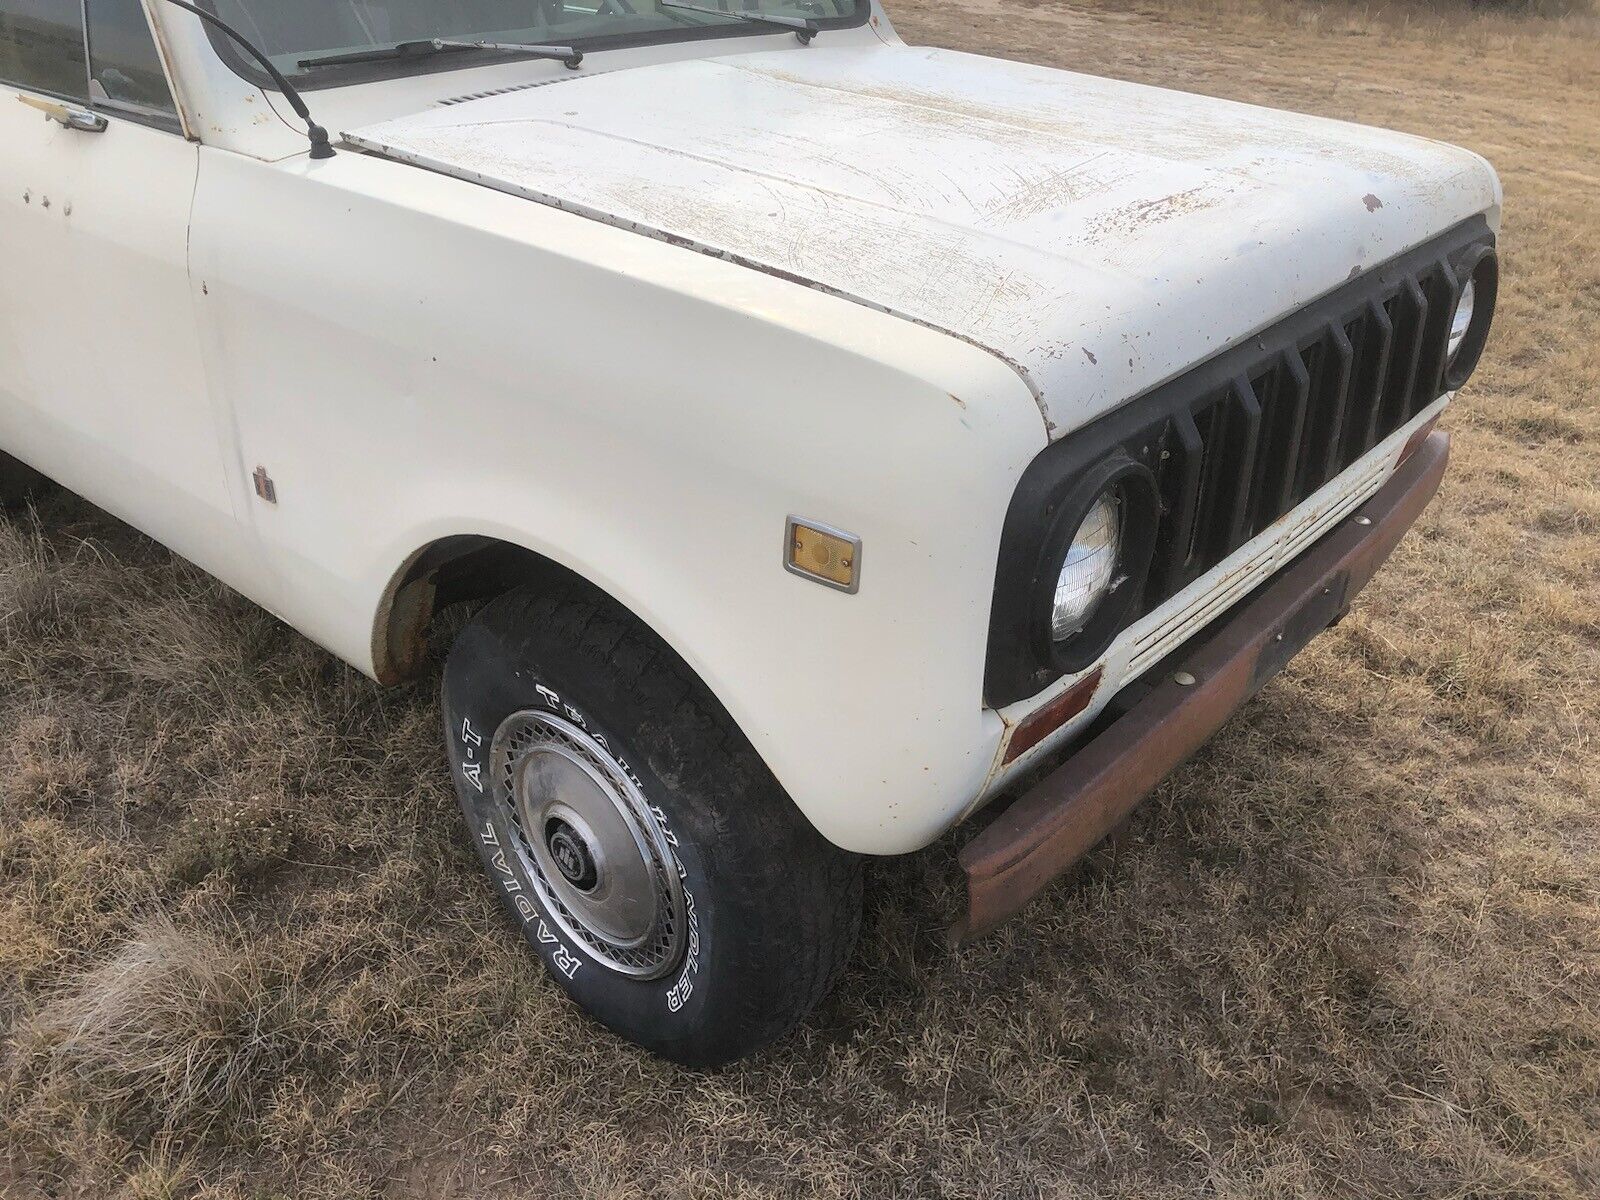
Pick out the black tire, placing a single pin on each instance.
(19, 482)
(769, 910)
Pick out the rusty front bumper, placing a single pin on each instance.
(1064, 815)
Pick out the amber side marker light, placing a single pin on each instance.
(1037, 726)
(1414, 442)
(823, 554)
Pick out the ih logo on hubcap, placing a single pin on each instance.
(572, 856)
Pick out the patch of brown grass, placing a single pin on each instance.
(1352, 950)
(178, 1028)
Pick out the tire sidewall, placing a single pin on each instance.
(487, 681)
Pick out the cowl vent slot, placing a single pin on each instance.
(450, 101)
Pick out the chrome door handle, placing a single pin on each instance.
(85, 121)
(68, 115)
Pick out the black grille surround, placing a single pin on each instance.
(1236, 443)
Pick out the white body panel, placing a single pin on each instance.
(103, 379)
(876, 312)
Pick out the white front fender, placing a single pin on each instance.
(413, 357)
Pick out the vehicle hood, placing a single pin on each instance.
(1099, 236)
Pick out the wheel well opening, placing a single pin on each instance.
(465, 569)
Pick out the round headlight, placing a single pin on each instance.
(1461, 321)
(1089, 571)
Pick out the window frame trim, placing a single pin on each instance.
(139, 114)
(175, 122)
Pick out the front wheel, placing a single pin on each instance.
(669, 885)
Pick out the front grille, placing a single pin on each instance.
(1232, 446)
(1295, 409)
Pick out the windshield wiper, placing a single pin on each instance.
(426, 49)
(804, 29)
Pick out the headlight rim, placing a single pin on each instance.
(1480, 266)
(1141, 511)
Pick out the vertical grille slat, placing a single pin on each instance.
(1264, 387)
(1298, 380)
(1237, 513)
(1314, 359)
(1283, 415)
(1376, 339)
(1218, 475)
(1410, 317)
(1179, 483)
(1333, 405)
(1442, 291)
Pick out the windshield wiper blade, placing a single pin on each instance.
(425, 49)
(804, 29)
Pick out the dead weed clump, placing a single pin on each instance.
(181, 1028)
(229, 838)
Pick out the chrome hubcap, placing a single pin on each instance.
(598, 855)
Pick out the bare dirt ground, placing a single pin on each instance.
(1352, 950)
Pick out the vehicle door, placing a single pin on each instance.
(102, 384)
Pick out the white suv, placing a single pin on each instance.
(827, 436)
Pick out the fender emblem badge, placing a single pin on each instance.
(265, 488)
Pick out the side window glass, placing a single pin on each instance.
(41, 47)
(124, 66)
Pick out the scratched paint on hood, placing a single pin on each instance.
(1099, 236)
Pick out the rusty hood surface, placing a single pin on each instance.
(1099, 236)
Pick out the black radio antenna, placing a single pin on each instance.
(321, 147)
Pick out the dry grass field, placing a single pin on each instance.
(1352, 950)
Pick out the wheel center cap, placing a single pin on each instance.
(571, 855)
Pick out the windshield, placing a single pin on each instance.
(291, 31)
